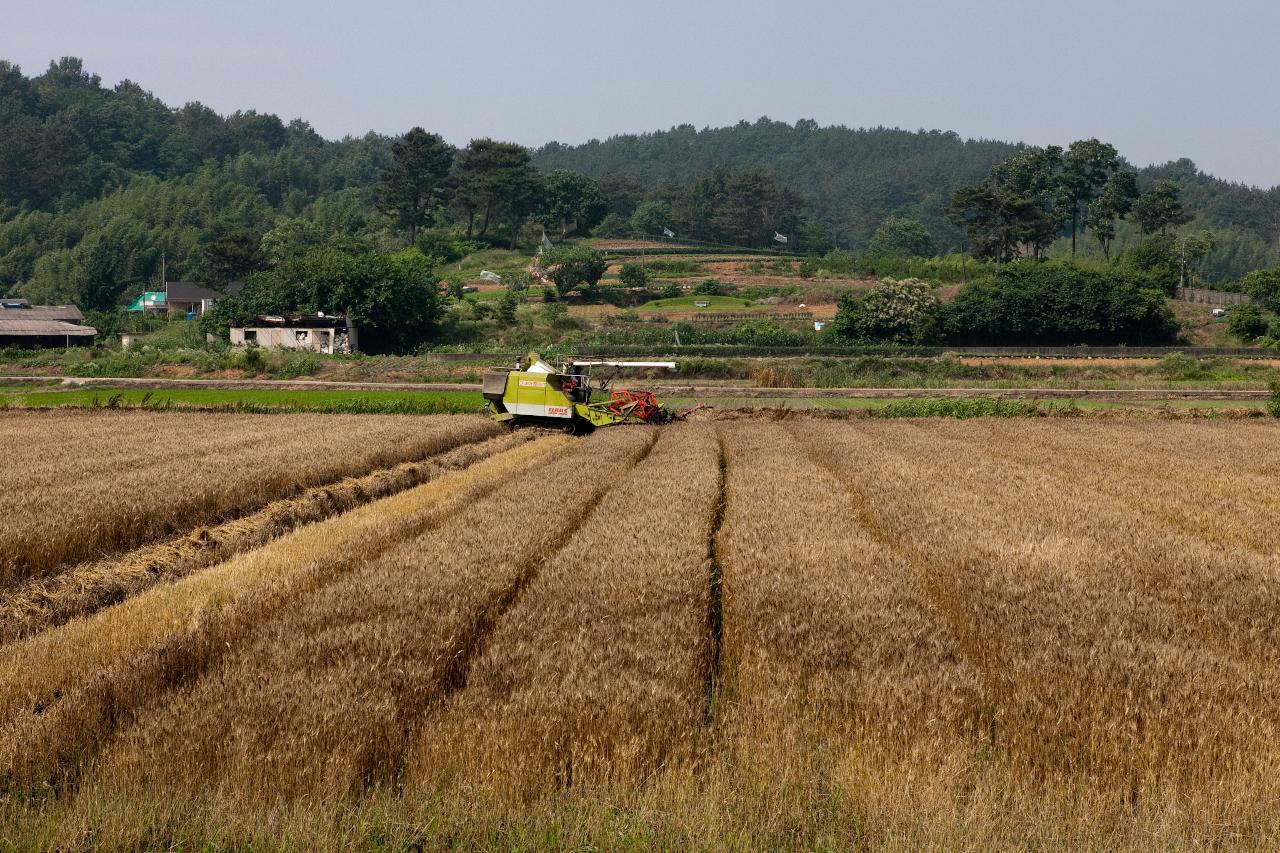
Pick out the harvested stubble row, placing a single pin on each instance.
(149, 475)
(322, 701)
(65, 690)
(43, 602)
(598, 675)
(1113, 647)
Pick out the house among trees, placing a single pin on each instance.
(321, 333)
(192, 299)
(26, 325)
(187, 299)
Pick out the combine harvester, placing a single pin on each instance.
(537, 394)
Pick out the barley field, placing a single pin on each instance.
(86, 483)
(752, 634)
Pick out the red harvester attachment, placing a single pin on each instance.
(638, 404)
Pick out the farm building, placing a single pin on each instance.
(319, 333)
(26, 325)
(182, 298)
(192, 299)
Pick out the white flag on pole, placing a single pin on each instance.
(778, 237)
(667, 232)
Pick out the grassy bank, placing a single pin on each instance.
(255, 400)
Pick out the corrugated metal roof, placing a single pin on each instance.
(66, 313)
(23, 327)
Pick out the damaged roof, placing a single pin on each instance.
(297, 321)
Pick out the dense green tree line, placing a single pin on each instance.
(100, 186)
(852, 180)
(1024, 303)
(392, 298)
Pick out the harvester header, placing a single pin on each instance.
(536, 394)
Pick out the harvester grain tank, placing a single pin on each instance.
(537, 394)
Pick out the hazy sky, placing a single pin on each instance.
(1176, 78)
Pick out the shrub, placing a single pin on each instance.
(904, 312)
(292, 368)
(711, 287)
(1264, 286)
(1273, 405)
(899, 237)
(634, 275)
(554, 313)
(577, 267)
(763, 333)
(1179, 365)
(247, 358)
(1055, 303)
(440, 243)
(1158, 257)
(506, 313)
(613, 225)
(1246, 322)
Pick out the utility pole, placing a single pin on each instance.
(1182, 271)
(164, 284)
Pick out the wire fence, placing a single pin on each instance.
(1211, 297)
(720, 317)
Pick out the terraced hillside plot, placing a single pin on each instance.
(81, 484)
(1001, 634)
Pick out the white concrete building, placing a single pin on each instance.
(319, 333)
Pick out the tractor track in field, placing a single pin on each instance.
(715, 590)
(47, 601)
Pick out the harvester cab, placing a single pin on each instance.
(572, 398)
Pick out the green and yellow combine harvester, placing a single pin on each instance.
(536, 394)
